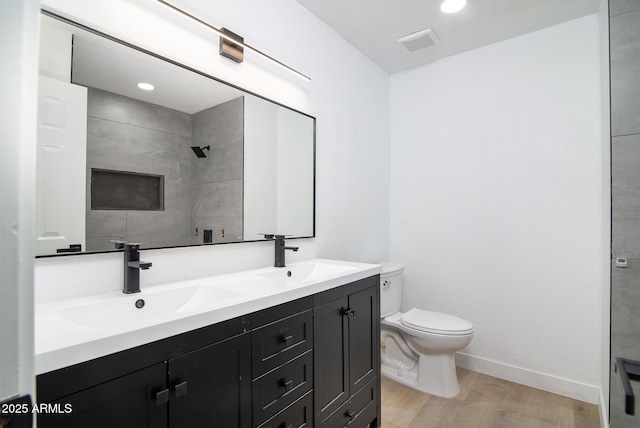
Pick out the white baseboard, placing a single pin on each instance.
(568, 388)
(603, 405)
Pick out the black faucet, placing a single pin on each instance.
(280, 249)
(132, 266)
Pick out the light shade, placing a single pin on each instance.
(452, 6)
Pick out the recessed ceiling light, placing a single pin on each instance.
(452, 6)
(145, 86)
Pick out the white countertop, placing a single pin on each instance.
(77, 330)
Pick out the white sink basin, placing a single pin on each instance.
(122, 310)
(307, 272)
(73, 330)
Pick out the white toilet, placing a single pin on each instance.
(418, 346)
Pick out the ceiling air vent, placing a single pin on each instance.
(419, 40)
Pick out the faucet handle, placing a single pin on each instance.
(119, 244)
(139, 265)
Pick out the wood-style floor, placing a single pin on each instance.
(484, 401)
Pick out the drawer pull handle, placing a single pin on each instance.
(288, 384)
(284, 425)
(288, 340)
(181, 389)
(351, 414)
(162, 397)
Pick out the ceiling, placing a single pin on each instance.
(374, 26)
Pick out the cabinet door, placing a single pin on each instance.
(363, 338)
(135, 400)
(331, 357)
(211, 387)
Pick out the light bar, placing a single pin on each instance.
(232, 40)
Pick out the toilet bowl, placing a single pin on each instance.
(418, 346)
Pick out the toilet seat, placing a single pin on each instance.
(435, 322)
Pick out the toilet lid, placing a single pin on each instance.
(435, 322)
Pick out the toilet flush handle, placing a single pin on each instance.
(386, 283)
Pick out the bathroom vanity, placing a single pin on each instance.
(301, 348)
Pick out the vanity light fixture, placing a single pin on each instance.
(452, 6)
(146, 86)
(233, 41)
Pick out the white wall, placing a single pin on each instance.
(260, 178)
(348, 95)
(496, 192)
(605, 292)
(18, 85)
(294, 177)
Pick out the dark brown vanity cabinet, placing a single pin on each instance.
(309, 362)
(347, 356)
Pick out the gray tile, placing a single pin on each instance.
(625, 183)
(175, 222)
(159, 118)
(218, 206)
(105, 223)
(625, 319)
(159, 241)
(625, 73)
(177, 196)
(107, 105)
(102, 243)
(226, 120)
(120, 147)
(618, 7)
(224, 162)
(185, 161)
(222, 128)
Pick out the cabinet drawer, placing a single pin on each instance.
(297, 415)
(277, 389)
(281, 341)
(359, 411)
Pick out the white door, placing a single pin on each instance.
(61, 166)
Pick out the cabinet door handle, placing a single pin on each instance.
(162, 397)
(288, 384)
(348, 312)
(181, 389)
(350, 414)
(288, 340)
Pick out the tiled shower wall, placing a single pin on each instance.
(125, 134)
(624, 27)
(217, 180)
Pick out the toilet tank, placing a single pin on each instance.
(391, 283)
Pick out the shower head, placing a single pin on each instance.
(199, 151)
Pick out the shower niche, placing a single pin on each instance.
(117, 190)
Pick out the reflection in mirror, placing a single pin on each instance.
(182, 160)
